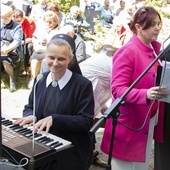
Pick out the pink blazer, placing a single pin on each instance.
(128, 63)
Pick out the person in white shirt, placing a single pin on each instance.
(97, 69)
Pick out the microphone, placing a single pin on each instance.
(39, 77)
(31, 165)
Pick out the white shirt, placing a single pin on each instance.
(62, 82)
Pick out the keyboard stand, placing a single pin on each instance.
(50, 157)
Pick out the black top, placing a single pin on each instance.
(72, 114)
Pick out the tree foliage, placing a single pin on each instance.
(157, 3)
(64, 4)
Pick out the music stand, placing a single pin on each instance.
(112, 111)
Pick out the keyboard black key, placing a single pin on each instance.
(35, 135)
(48, 141)
(42, 138)
(57, 145)
(54, 143)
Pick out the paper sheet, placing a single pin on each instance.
(165, 79)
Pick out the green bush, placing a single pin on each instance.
(64, 4)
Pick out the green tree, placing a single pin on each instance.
(64, 4)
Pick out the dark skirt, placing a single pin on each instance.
(10, 58)
(162, 150)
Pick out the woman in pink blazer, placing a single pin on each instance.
(138, 118)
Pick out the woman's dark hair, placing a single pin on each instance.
(144, 16)
(18, 13)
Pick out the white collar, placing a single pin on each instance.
(62, 82)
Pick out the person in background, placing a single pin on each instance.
(38, 10)
(54, 6)
(138, 117)
(80, 48)
(97, 69)
(28, 25)
(91, 13)
(122, 4)
(91, 5)
(42, 35)
(11, 32)
(28, 28)
(80, 44)
(107, 14)
(75, 19)
(66, 109)
(119, 33)
(27, 6)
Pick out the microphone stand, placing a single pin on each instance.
(112, 111)
(32, 160)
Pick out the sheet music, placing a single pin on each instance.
(165, 79)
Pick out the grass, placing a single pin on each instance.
(21, 83)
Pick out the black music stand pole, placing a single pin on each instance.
(114, 123)
(113, 110)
